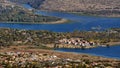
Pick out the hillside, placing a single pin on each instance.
(11, 12)
(94, 7)
(33, 3)
(91, 7)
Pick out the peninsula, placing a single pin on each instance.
(14, 13)
(47, 39)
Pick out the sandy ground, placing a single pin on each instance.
(56, 22)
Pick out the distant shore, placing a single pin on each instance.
(56, 22)
(87, 47)
(113, 43)
(53, 22)
(80, 13)
(88, 14)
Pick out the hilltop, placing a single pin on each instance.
(89, 7)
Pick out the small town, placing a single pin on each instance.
(77, 43)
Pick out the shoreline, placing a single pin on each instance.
(89, 55)
(113, 43)
(106, 16)
(54, 22)
(67, 46)
(80, 13)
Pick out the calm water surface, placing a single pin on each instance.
(112, 52)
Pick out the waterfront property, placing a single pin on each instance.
(63, 40)
(75, 43)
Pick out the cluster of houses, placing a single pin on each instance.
(76, 42)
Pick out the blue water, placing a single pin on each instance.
(78, 23)
(112, 52)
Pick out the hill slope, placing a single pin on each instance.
(33, 3)
(94, 7)
(11, 12)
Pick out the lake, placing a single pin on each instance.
(77, 23)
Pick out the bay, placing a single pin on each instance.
(77, 23)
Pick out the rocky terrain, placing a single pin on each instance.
(89, 7)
